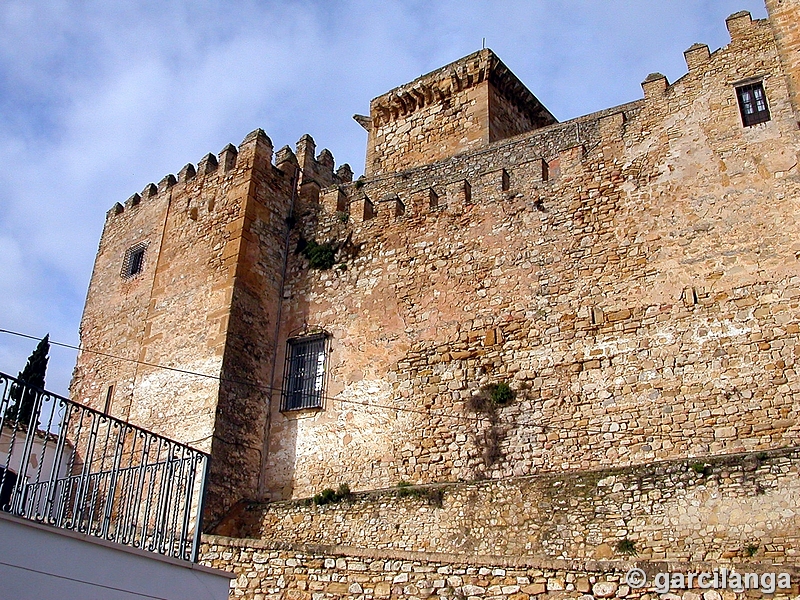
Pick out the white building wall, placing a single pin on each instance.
(38, 562)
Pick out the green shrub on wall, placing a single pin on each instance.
(320, 256)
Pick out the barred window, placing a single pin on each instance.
(133, 261)
(753, 104)
(304, 372)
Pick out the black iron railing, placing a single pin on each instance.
(74, 467)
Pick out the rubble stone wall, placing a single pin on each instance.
(633, 275)
(268, 571)
(685, 510)
(433, 132)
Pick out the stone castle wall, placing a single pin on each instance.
(684, 510)
(267, 570)
(783, 16)
(632, 274)
(409, 140)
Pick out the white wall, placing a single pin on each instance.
(38, 562)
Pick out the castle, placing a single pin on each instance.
(568, 343)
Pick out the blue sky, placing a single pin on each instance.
(97, 99)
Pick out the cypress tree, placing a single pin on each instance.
(24, 397)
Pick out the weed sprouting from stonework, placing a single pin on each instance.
(326, 496)
(404, 489)
(486, 401)
(343, 491)
(501, 394)
(331, 496)
(627, 547)
(700, 468)
(490, 397)
(751, 549)
(434, 496)
(320, 256)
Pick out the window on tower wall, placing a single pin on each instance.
(304, 372)
(753, 103)
(133, 261)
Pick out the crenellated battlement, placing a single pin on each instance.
(497, 173)
(741, 27)
(459, 107)
(457, 77)
(255, 150)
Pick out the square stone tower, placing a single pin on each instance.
(181, 315)
(456, 108)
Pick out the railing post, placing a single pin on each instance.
(201, 505)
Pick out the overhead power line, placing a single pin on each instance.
(267, 388)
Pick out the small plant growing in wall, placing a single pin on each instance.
(326, 496)
(627, 547)
(490, 397)
(342, 216)
(434, 496)
(751, 549)
(501, 393)
(320, 256)
(405, 489)
(331, 496)
(700, 468)
(486, 401)
(343, 491)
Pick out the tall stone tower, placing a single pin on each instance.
(185, 291)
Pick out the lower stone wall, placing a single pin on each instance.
(272, 571)
(715, 509)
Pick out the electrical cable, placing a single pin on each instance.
(266, 388)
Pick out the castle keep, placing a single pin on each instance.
(632, 276)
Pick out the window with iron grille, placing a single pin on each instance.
(133, 261)
(304, 372)
(753, 103)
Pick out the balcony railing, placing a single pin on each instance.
(74, 467)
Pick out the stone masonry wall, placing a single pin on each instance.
(785, 20)
(632, 274)
(433, 132)
(457, 108)
(685, 510)
(116, 309)
(215, 241)
(505, 117)
(269, 571)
